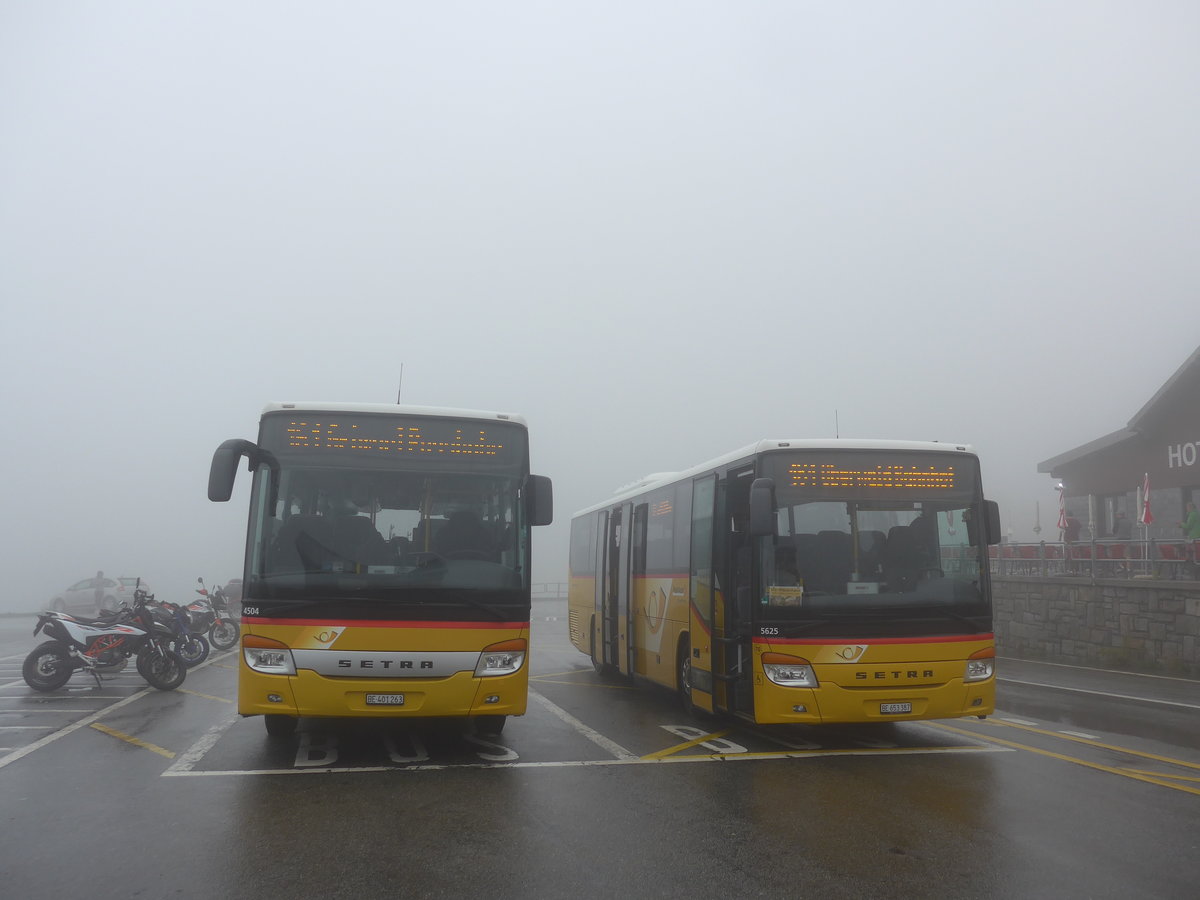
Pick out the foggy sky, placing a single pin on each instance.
(659, 231)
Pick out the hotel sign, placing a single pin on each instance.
(1182, 456)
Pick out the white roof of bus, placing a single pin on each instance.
(391, 409)
(659, 479)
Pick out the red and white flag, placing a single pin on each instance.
(1062, 510)
(1147, 517)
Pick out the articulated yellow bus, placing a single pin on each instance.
(797, 581)
(387, 563)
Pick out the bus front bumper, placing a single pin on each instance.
(308, 694)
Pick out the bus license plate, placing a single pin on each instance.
(385, 699)
(895, 707)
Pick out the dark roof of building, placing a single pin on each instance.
(1185, 380)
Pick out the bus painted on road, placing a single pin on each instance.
(797, 581)
(387, 569)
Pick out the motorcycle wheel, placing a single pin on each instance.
(48, 667)
(164, 671)
(224, 634)
(193, 650)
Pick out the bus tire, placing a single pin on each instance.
(683, 677)
(280, 726)
(489, 726)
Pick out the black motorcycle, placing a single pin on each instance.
(188, 640)
(224, 631)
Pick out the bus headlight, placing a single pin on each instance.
(267, 656)
(501, 659)
(980, 666)
(789, 671)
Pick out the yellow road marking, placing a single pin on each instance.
(1100, 744)
(559, 674)
(137, 742)
(205, 696)
(1071, 759)
(700, 740)
(1165, 775)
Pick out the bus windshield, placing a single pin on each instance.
(874, 534)
(378, 534)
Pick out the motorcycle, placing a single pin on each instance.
(224, 631)
(187, 640)
(104, 644)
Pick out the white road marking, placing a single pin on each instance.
(588, 763)
(188, 759)
(74, 726)
(591, 734)
(1082, 734)
(1059, 687)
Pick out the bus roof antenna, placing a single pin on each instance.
(837, 430)
(400, 386)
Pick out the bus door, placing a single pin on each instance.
(614, 598)
(733, 667)
(702, 593)
(599, 629)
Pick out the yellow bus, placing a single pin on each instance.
(797, 581)
(387, 563)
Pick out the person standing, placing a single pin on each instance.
(98, 585)
(1071, 532)
(1191, 522)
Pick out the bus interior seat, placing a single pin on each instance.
(902, 562)
(870, 553)
(786, 572)
(836, 560)
(302, 544)
(807, 559)
(356, 540)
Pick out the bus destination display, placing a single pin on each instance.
(881, 477)
(392, 437)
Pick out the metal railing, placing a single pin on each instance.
(1098, 558)
(548, 590)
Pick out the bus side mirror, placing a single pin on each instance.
(990, 522)
(762, 507)
(224, 467)
(991, 511)
(539, 500)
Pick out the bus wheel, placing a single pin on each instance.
(684, 676)
(489, 725)
(280, 726)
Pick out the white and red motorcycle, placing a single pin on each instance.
(104, 644)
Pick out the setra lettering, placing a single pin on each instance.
(884, 675)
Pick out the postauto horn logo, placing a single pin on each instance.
(851, 652)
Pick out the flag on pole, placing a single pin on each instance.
(1062, 510)
(1146, 518)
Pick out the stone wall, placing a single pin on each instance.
(1140, 625)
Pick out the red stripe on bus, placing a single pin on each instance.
(944, 639)
(381, 623)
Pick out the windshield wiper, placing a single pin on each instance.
(950, 614)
